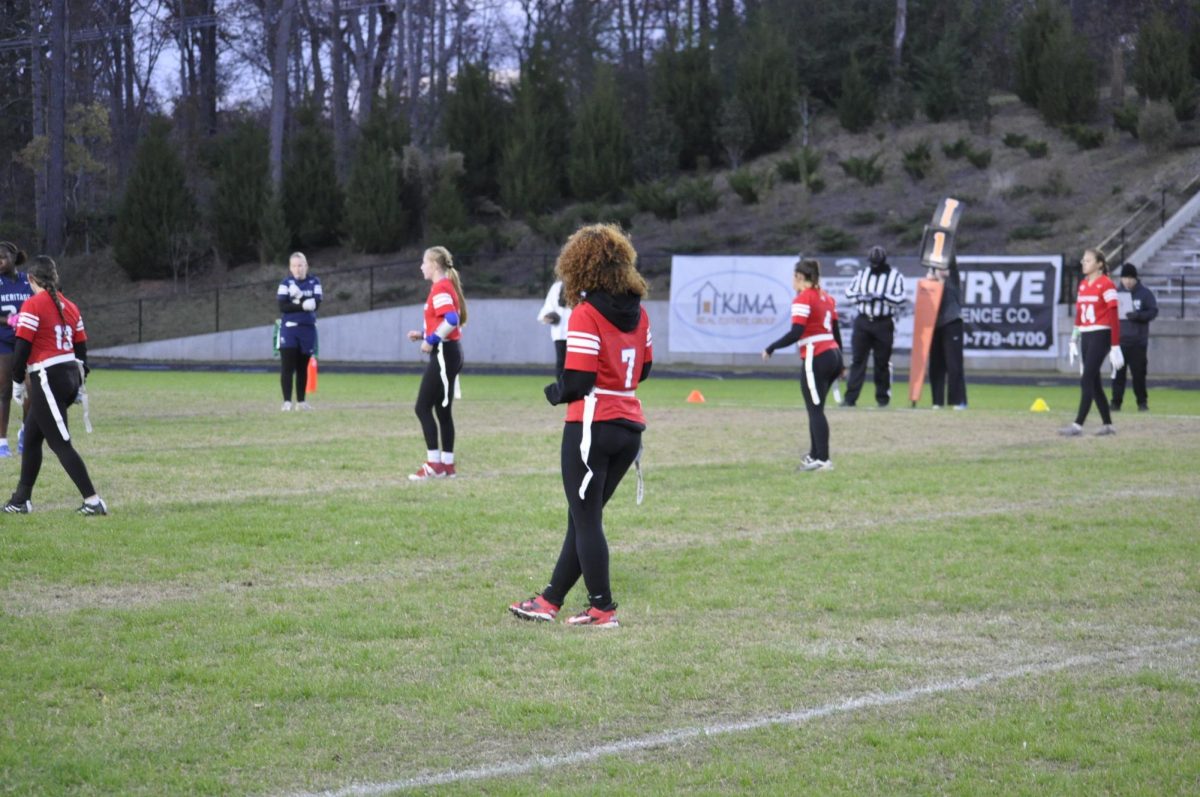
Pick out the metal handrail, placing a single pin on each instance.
(1123, 233)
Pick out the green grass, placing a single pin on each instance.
(272, 607)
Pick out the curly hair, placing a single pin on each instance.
(599, 257)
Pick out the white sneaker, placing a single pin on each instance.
(817, 464)
(303, 405)
(287, 407)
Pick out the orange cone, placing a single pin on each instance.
(311, 386)
(695, 397)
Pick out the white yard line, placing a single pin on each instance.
(674, 738)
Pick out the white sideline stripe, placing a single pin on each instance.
(675, 737)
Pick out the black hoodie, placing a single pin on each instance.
(623, 312)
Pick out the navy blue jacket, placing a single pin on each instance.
(1135, 326)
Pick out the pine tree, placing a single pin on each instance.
(157, 209)
(856, 106)
(766, 86)
(376, 221)
(1040, 30)
(473, 123)
(686, 88)
(312, 198)
(533, 171)
(274, 237)
(1068, 92)
(601, 163)
(1161, 67)
(241, 191)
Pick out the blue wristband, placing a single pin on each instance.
(432, 339)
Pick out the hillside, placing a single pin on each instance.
(1061, 202)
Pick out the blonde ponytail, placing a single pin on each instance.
(441, 255)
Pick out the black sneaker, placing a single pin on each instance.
(1143, 408)
(23, 508)
(100, 508)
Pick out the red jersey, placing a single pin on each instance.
(615, 357)
(1096, 307)
(815, 310)
(442, 299)
(52, 337)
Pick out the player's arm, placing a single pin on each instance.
(448, 324)
(1110, 299)
(837, 332)
(311, 304)
(571, 386)
(894, 291)
(789, 338)
(289, 297)
(21, 351)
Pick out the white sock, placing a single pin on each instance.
(447, 457)
(433, 455)
(3, 441)
(93, 501)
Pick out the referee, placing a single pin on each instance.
(878, 293)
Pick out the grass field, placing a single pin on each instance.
(273, 609)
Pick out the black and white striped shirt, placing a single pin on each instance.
(877, 293)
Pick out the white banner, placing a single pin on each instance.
(737, 304)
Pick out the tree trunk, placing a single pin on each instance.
(279, 90)
(37, 90)
(338, 102)
(54, 230)
(1117, 89)
(898, 38)
(208, 72)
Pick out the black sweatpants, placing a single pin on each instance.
(41, 425)
(871, 337)
(433, 392)
(946, 364)
(1093, 348)
(585, 549)
(1135, 361)
(293, 364)
(825, 367)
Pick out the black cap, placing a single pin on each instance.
(877, 256)
(1129, 270)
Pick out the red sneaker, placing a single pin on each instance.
(595, 617)
(536, 608)
(428, 470)
(448, 470)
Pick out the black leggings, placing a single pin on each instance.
(826, 367)
(585, 549)
(293, 363)
(1093, 348)
(64, 381)
(432, 392)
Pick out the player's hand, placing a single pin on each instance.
(766, 354)
(18, 394)
(294, 292)
(1117, 358)
(12, 320)
(414, 335)
(308, 304)
(552, 318)
(1073, 352)
(426, 347)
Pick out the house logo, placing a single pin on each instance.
(732, 304)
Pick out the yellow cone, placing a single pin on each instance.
(1040, 405)
(695, 397)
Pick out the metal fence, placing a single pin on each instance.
(347, 290)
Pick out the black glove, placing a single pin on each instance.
(553, 392)
(86, 370)
(554, 318)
